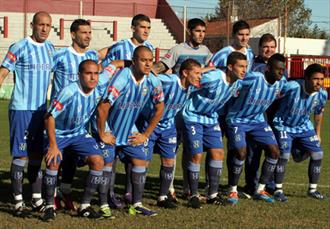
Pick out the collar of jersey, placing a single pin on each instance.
(82, 92)
(72, 50)
(34, 42)
(186, 43)
(134, 80)
(234, 50)
(304, 89)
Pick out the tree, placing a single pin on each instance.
(298, 15)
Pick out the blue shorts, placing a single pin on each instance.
(125, 153)
(108, 151)
(162, 142)
(307, 141)
(261, 133)
(26, 132)
(200, 137)
(81, 145)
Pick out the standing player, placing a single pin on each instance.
(201, 128)
(123, 50)
(163, 139)
(293, 126)
(245, 117)
(241, 36)
(193, 49)
(31, 60)
(128, 93)
(66, 62)
(66, 123)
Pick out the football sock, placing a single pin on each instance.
(185, 171)
(280, 170)
(166, 177)
(50, 180)
(314, 171)
(193, 177)
(128, 170)
(113, 177)
(138, 181)
(104, 185)
(267, 171)
(236, 170)
(34, 174)
(214, 173)
(16, 177)
(92, 182)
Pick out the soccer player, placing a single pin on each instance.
(241, 36)
(66, 123)
(201, 128)
(172, 61)
(292, 125)
(123, 50)
(129, 91)
(176, 90)
(245, 117)
(193, 49)
(31, 61)
(66, 62)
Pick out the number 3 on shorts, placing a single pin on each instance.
(193, 130)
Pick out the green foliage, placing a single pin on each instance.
(299, 23)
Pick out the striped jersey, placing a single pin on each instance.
(261, 67)
(254, 98)
(122, 50)
(204, 104)
(219, 59)
(175, 96)
(296, 106)
(72, 108)
(66, 66)
(179, 53)
(31, 63)
(127, 99)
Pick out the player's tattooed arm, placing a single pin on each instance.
(159, 67)
(53, 152)
(102, 116)
(3, 74)
(318, 124)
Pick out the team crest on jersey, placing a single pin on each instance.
(128, 55)
(258, 90)
(79, 108)
(59, 106)
(11, 56)
(50, 52)
(315, 103)
(144, 91)
(278, 93)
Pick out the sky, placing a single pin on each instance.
(320, 9)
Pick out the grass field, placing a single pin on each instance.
(299, 212)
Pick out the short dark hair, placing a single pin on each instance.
(239, 25)
(138, 18)
(78, 22)
(83, 63)
(138, 50)
(267, 37)
(234, 56)
(194, 22)
(276, 57)
(188, 64)
(313, 68)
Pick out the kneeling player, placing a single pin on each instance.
(201, 128)
(293, 126)
(65, 124)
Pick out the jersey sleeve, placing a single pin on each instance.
(117, 86)
(56, 59)
(13, 56)
(219, 60)
(323, 100)
(170, 57)
(112, 54)
(157, 90)
(58, 105)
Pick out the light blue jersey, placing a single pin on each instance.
(123, 50)
(72, 109)
(261, 67)
(254, 98)
(219, 59)
(296, 106)
(31, 63)
(66, 66)
(204, 104)
(175, 96)
(127, 99)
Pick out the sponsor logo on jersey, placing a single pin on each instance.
(11, 56)
(112, 90)
(168, 55)
(59, 106)
(110, 70)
